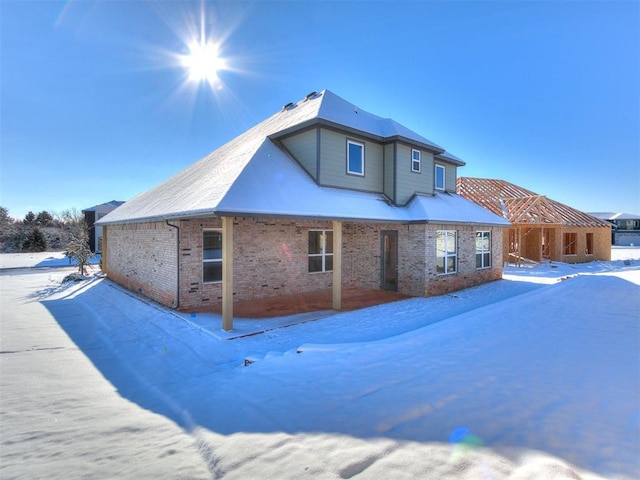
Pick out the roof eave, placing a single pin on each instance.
(354, 131)
(442, 158)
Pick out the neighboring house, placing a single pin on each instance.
(91, 216)
(319, 195)
(542, 229)
(626, 227)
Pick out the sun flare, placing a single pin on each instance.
(203, 63)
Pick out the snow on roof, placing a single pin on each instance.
(624, 216)
(522, 206)
(250, 175)
(273, 184)
(614, 216)
(449, 207)
(337, 110)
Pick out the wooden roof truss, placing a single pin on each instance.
(522, 206)
(534, 209)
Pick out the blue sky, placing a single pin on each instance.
(96, 106)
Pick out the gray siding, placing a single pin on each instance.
(450, 178)
(303, 147)
(408, 182)
(450, 172)
(333, 163)
(389, 165)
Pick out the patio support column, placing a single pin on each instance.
(337, 265)
(103, 255)
(227, 273)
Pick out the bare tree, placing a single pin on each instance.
(78, 233)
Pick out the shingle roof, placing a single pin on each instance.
(112, 203)
(522, 206)
(615, 216)
(251, 175)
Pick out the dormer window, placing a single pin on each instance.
(415, 160)
(439, 177)
(355, 158)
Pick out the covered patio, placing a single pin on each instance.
(353, 298)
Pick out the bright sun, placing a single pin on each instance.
(203, 62)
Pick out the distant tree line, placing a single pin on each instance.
(43, 231)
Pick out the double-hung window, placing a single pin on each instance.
(415, 160)
(483, 249)
(320, 251)
(211, 256)
(446, 251)
(355, 158)
(439, 177)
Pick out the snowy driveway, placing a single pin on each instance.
(532, 371)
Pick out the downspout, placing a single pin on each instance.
(177, 261)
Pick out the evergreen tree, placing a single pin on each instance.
(35, 241)
(44, 219)
(6, 222)
(29, 218)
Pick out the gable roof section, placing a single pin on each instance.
(252, 176)
(522, 206)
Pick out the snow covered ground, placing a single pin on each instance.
(527, 377)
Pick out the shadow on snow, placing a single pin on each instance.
(166, 366)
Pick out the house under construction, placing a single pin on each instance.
(541, 228)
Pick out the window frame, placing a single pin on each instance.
(483, 253)
(447, 254)
(211, 260)
(570, 241)
(324, 253)
(415, 161)
(358, 144)
(438, 166)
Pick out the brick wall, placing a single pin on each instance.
(142, 257)
(271, 258)
(466, 275)
(361, 262)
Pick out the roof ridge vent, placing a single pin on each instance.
(311, 96)
(289, 106)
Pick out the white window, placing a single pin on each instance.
(320, 251)
(446, 251)
(415, 160)
(211, 256)
(439, 177)
(483, 249)
(355, 158)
